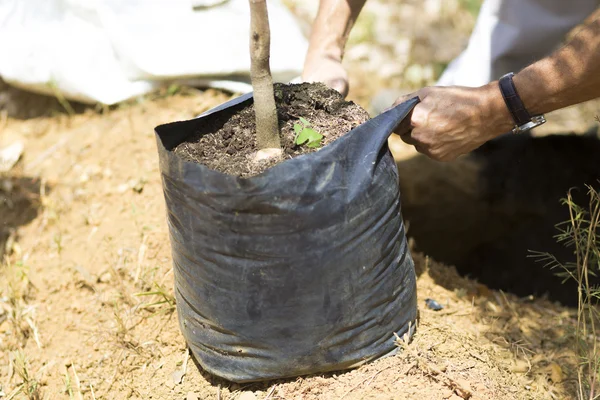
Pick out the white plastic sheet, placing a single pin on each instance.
(108, 51)
(511, 34)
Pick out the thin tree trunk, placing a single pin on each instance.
(267, 127)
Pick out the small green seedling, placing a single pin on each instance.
(305, 134)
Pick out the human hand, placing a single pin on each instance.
(451, 121)
(320, 67)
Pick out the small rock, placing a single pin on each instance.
(191, 396)
(76, 307)
(177, 377)
(464, 389)
(247, 396)
(433, 305)
(556, 374)
(170, 384)
(85, 274)
(105, 277)
(265, 154)
(10, 155)
(480, 387)
(139, 186)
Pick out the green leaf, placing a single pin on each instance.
(301, 138)
(298, 128)
(311, 136)
(304, 121)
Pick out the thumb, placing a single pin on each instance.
(405, 98)
(339, 84)
(404, 128)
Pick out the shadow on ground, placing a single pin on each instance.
(486, 212)
(19, 205)
(20, 104)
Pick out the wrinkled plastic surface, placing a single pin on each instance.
(302, 269)
(108, 51)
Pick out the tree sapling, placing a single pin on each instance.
(267, 125)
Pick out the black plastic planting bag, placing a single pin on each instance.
(304, 268)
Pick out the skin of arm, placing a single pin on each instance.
(328, 38)
(450, 121)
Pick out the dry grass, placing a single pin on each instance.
(26, 384)
(15, 291)
(581, 234)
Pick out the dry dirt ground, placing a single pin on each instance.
(86, 296)
(85, 220)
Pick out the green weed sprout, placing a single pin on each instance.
(305, 134)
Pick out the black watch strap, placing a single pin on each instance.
(513, 101)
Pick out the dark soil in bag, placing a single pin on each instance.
(228, 142)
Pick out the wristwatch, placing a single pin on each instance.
(523, 120)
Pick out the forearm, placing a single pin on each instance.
(450, 121)
(332, 26)
(569, 76)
